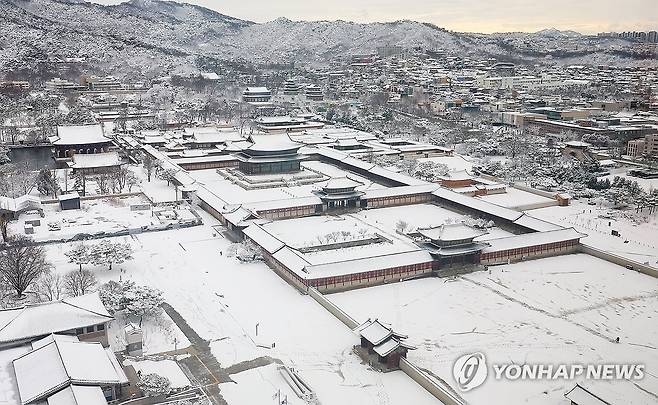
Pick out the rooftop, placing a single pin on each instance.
(79, 134)
(37, 320)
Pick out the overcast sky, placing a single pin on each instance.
(587, 16)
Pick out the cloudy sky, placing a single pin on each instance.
(587, 16)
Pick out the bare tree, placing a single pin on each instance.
(22, 262)
(49, 286)
(131, 181)
(150, 165)
(79, 282)
(4, 223)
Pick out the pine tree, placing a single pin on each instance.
(47, 183)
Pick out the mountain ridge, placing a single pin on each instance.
(151, 37)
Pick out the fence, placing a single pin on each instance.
(331, 307)
(622, 261)
(441, 393)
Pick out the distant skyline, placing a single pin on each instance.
(585, 16)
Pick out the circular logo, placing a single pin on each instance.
(470, 371)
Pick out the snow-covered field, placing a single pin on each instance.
(638, 241)
(224, 300)
(418, 216)
(566, 309)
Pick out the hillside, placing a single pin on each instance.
(145, 37)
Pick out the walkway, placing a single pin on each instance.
(203, 365)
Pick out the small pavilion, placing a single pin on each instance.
(340, 193)
(381, 343)
(453, 244)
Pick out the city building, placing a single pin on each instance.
(647, 146)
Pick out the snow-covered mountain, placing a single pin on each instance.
(150, 37)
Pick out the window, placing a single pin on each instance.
(79, 331)
(90, 329)
(100, 327)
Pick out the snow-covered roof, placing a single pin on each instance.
(256, 90)
(388, 346)
(340, 183)
(259, 206)
(267, 143)
(536, 224)
(70, 196)
(37, 320)
(577, 144)
(604, 392)
(477, 204)
(216, 136)
(23, 203)
(532, 239)
(263, 238)
(374, 331)
(457, 175)
(371, 263)
(400, 191)
(94, 160)
(79, 134)
(348, 142)
(78, 395)
(452, 232)
(62, 362)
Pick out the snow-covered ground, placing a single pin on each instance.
(646, 184)
(418, 216)
(566, 309)
(164, 368)
(159, 334)
(598, 223)
(224, 300)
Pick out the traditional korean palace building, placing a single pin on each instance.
(432, 251)
(58, 353)
(79, 139)
(453, 244)
(270, 154)
(281, 124)
(340, 194)
(256, 95)
(381, 346)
